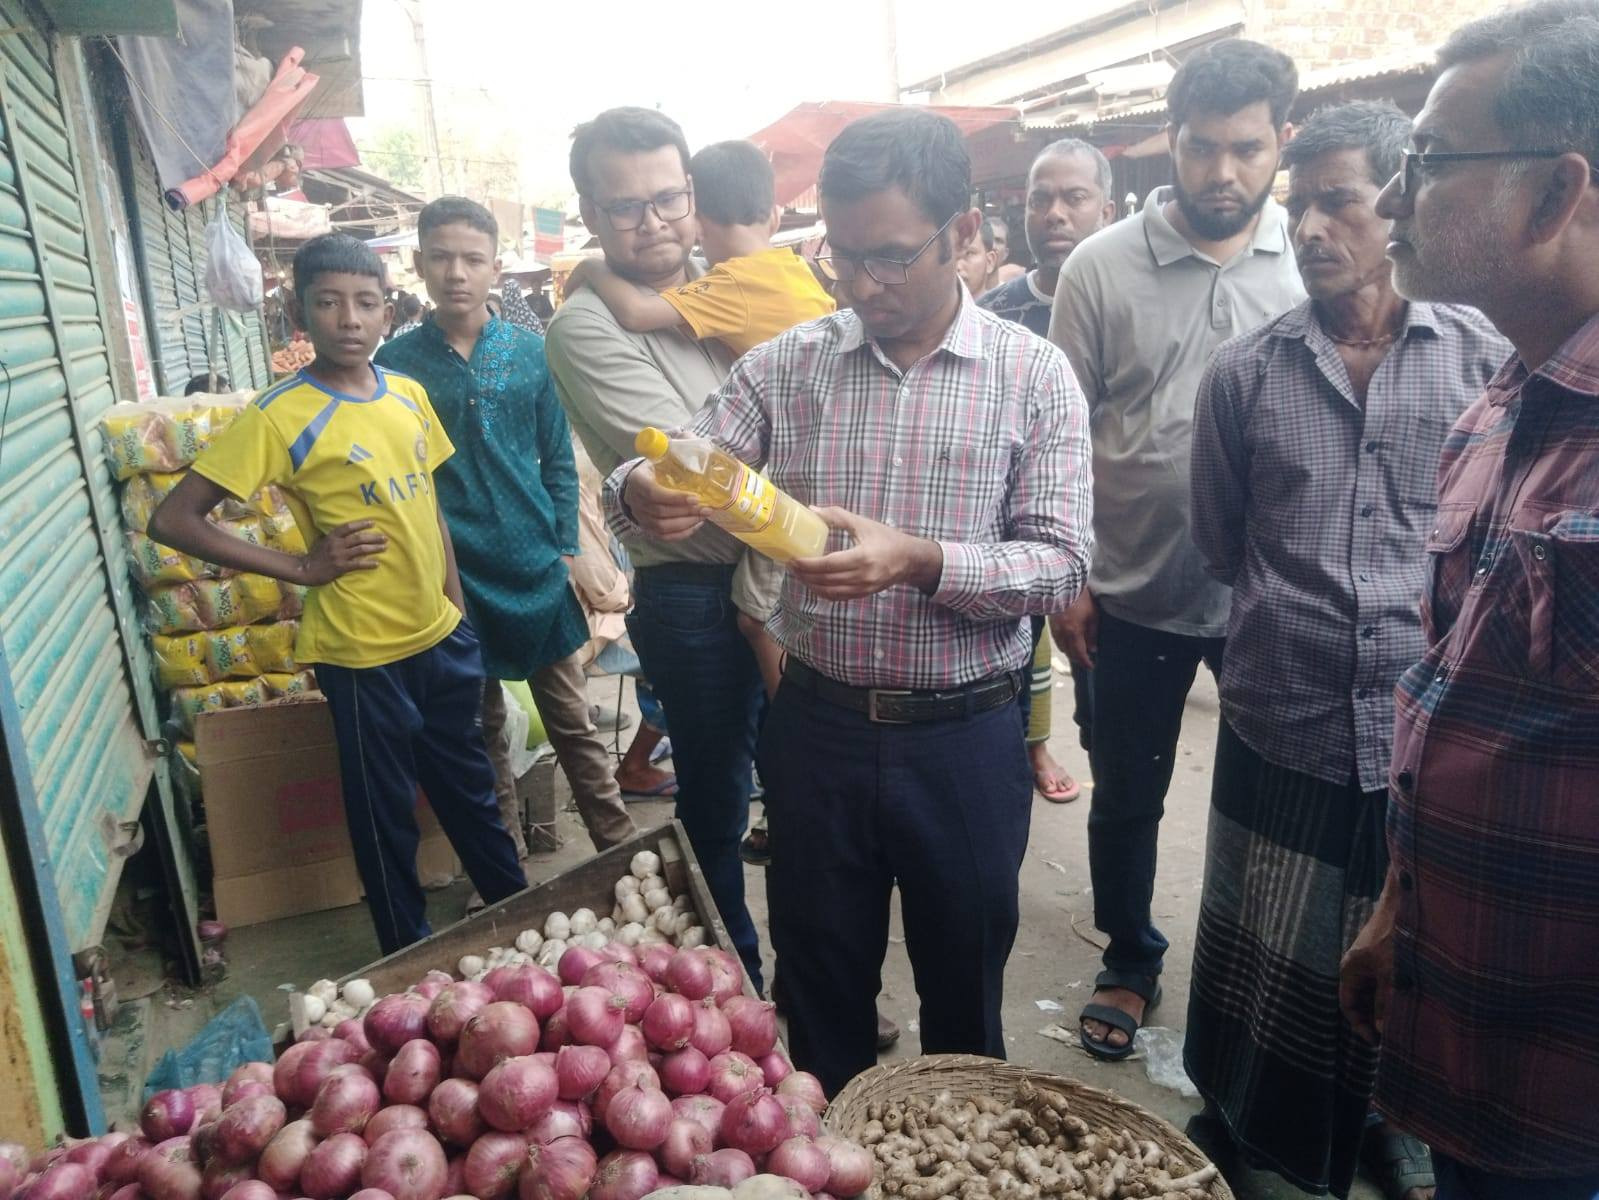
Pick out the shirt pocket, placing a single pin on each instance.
(1565, 612)
(969, 481)
(1449, 567)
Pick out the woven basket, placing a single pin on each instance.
(967, 1075)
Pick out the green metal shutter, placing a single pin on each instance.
(77, 670)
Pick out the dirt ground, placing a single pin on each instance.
(1049, 978)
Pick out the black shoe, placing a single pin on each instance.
(1209, 1132)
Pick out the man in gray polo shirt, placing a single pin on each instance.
(630, 168)
(1138, 310)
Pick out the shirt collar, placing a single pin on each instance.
(963, 338)
(1169, 246)
(1574, 369)
(1299, 321)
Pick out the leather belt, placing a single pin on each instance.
(892, 706)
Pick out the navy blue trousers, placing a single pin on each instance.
(685, 630)
(940, 809)
(416, 722)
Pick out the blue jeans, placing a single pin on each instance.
(1141, 680)
(685, 630)
(1457, 1181)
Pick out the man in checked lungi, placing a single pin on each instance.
(1316, 446)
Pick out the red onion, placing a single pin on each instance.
(802, 1085)
(207, 1101)
(431, 984)
(689, 974)
(334, 1168)
(376, 1064)
(619, 952)
(353, 1031)
(575, 963)
(63, 1181)
(623, 1075)
(668, 1022)
(684, 1142)
(555, 1034)
(754, 1025)
(732, 1074)
(625, 980)
(712, 1034)
(638, 1117)
(284, 1158)
(500, 1030)
(345, 1103)
(167, 1172)
(95, 1154)
(775, 1067)
(531, 986)
(754, 1122)
(453, 1007)
(726, 972)
(313, 1033)
(167, 1114)
(802, 1118)
(369, 1194)
(45, 1159)
(394, 1116)
(722, 1168)
(220, 1178)
(413, 1073)
(455, 1176)
(130, 1191)
(851, 1167)
(800, 1159)
(250, 1189)
(453, 1110)
(564, 1119)
(562, 1170)
(579, 1070)
(244, 1130)
(654, 959)
(408, 1164)
(250, 1087)
(395, 1020)
(202, 1142)
(594, 1016)
(624, 1175)
(248, 1073)
(493, 1163)
(544, 1058)
(121, 1167)
(304, 1067)
(686, 1072)
(706, 1110)
(629, 1044)
(515, 1092)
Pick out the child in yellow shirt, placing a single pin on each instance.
(752, 293)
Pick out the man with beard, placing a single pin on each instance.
(630, 168)
(948, 450)
(1479, 968)
(1316, 443)
(1139, 309)
(1068, 198)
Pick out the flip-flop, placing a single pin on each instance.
(1063, 795)
(1145, 986)
(663, 790)
(1396, 1162)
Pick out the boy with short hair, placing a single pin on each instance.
(356, 446)
(511, 497)
(753, 292)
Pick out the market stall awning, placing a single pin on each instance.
(796, 140)
(326, 141)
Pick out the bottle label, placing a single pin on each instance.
(754, 500)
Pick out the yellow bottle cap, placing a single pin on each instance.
(651, 443)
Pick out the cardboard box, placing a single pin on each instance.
(274, 811)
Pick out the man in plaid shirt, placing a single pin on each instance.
(1479, 969)
(947, 448)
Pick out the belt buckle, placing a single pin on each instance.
(872, 696)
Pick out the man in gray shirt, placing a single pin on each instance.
(630, 168)
(1138, 310)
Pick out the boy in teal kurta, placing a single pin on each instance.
(509, 496)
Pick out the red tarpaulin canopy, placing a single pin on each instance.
(326, 142)
(796, 140)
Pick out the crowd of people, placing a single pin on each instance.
(1343, 451)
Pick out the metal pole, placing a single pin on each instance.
(430, 123)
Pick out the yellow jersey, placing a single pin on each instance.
(748, 300)
(343, 458)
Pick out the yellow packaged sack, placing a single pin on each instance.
(186, 751)
(182, 660)
(189, 702)
(293, 600)
(142, 495)
(238, 600)
(165, 434)
(282, 532)
(251, 650)
(174, 608)
(281, 686)
(153, 564)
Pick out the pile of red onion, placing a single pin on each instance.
(648, 1068)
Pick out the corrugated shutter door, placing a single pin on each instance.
(78, 674)
(166, 331)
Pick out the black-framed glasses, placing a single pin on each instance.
(890, 272)
(1412, 161)
(627, 215)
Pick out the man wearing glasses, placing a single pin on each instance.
(630, 168)
(947, 449)
(1479, 969)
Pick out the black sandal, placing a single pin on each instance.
(1147, 987)
(1397, 1162)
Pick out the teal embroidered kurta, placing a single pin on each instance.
(509, 493)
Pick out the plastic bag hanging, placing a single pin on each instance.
(232, 272)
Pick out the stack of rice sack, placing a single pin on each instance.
(220, 639)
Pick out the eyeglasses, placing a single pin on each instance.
(890, 272)
(1413, 161)
(627, 215)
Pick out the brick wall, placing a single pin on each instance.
(1328, 33)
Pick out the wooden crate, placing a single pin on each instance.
(590, 884)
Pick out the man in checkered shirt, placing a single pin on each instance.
(947, 449)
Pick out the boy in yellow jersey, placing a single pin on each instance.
(753, 292)
(356, 446)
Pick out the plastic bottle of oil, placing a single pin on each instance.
(744, 502)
